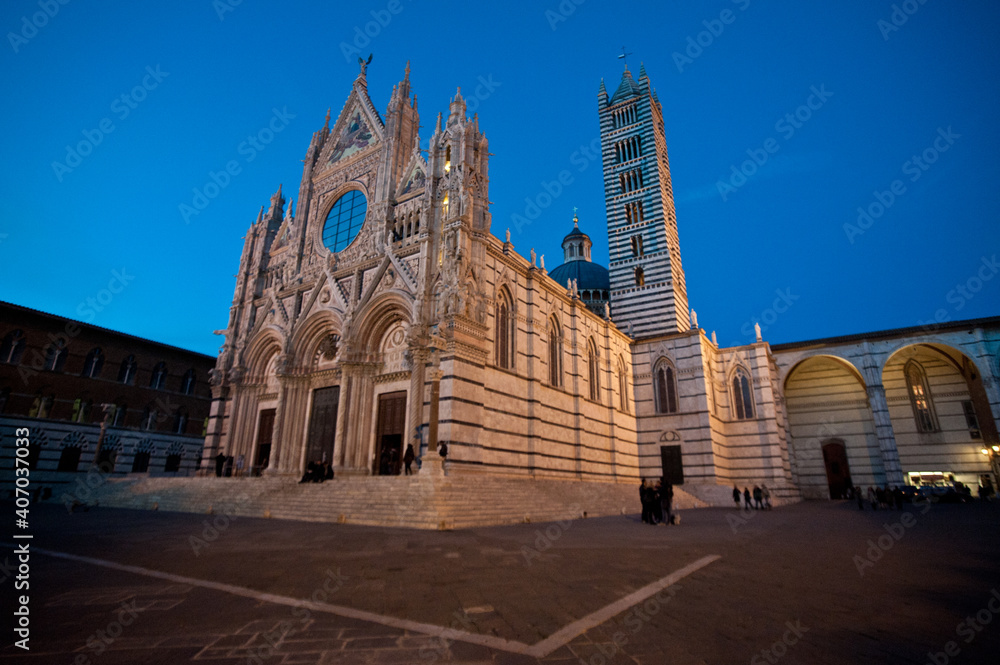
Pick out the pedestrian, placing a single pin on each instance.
(897, 497)
(746, 498)
(443, 452)
(656, 497)
(767, 497)
(860, 497)
(667, 502)
(239, 465)
(758, 498)
(227, 469)
(736, 496)
(872, 497)
(220, 462)
(408, 457)
(644, 500)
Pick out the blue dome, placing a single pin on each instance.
(588, 275)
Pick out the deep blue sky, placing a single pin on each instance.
(783, 230)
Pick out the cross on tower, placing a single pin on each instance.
(624, 56)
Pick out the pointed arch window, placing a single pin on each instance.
(743, 408)
(69, 458)
(180, 420)
(504, 334)
(149, 418)
(920, 397)
(117, 415)
(665, 387)
(188, 382)
(555, 353)
(12, 347)
(594, 371)
(94, 363)
(622, 385)
(55, 356)
(640, 276)
(126, 373)
(81, 410)
(159, 378)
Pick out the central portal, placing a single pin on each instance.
(389, 433)
(323, 425)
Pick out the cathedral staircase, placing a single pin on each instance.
(419, 501)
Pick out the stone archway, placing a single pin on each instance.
(838, 471)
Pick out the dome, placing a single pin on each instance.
(589, 276)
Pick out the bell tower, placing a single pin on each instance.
(648, 292)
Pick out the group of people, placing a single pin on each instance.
(759, 500)
(317, 472)
(657, 502)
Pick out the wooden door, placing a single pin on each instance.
(265, 431)
(323, 425)
(838, 473)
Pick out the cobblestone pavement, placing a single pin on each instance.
(810, 583)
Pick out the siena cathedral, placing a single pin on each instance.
(385, 312)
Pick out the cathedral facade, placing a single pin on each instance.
(382, 311)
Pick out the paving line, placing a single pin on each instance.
(539, 650)
(594, 619)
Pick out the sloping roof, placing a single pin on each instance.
(627, 88)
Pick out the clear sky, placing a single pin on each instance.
(98, 234)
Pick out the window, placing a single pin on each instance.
(742, 395)
(572, 250)
(180, 420)
(93, 364)
(555, 353)
(81, 410)
(637, 249)
(640, 276)
(920, 397)
(344, 220)
(69, 459)
(149, 418)
(126, 373)
(504, 332)
(12, 347)
(42, 406)
(188, 382)
(665, 388)
(158, 380)
(593, 364)
(622, 385)
(118, 412)
(971, 419)
(55, 356)
(173, 464)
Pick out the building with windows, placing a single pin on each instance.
(63, 379)
(382, 311)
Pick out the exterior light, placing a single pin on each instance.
(984, 451)
(996, 449)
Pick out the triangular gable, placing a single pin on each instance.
(415, 176)
(358, 128)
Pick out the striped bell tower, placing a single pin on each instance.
(648, 292)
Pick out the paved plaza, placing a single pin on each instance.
(809, 583)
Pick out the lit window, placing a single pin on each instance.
(920, 397)
(344, 220)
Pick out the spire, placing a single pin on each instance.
(260, 215)
(288, 213)
(407, 76)
(457, 108)
(326, 123)
(642, 71)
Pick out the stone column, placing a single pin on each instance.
(886, 437)
(415, 404)
(340, 438)
(432, 464)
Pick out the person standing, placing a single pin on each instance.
(655, 497)
(746, 498)
(408, 457)
(736, 496)
(220, 462)
(766, 493)
(758, 498)
(644, 500)
(239, 465)
(666, 502)
(860, 497)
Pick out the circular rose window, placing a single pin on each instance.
(345, 220)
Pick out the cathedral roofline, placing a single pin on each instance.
(888, 333)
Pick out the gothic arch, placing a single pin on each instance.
(377, 317)
(843, 362)
(259, 352)
(311, 334)
(665, 392)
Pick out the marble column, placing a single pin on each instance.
(886, 437)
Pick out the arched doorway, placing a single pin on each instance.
(389, 433)
(838, 471)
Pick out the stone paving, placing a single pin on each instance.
(808, 583)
